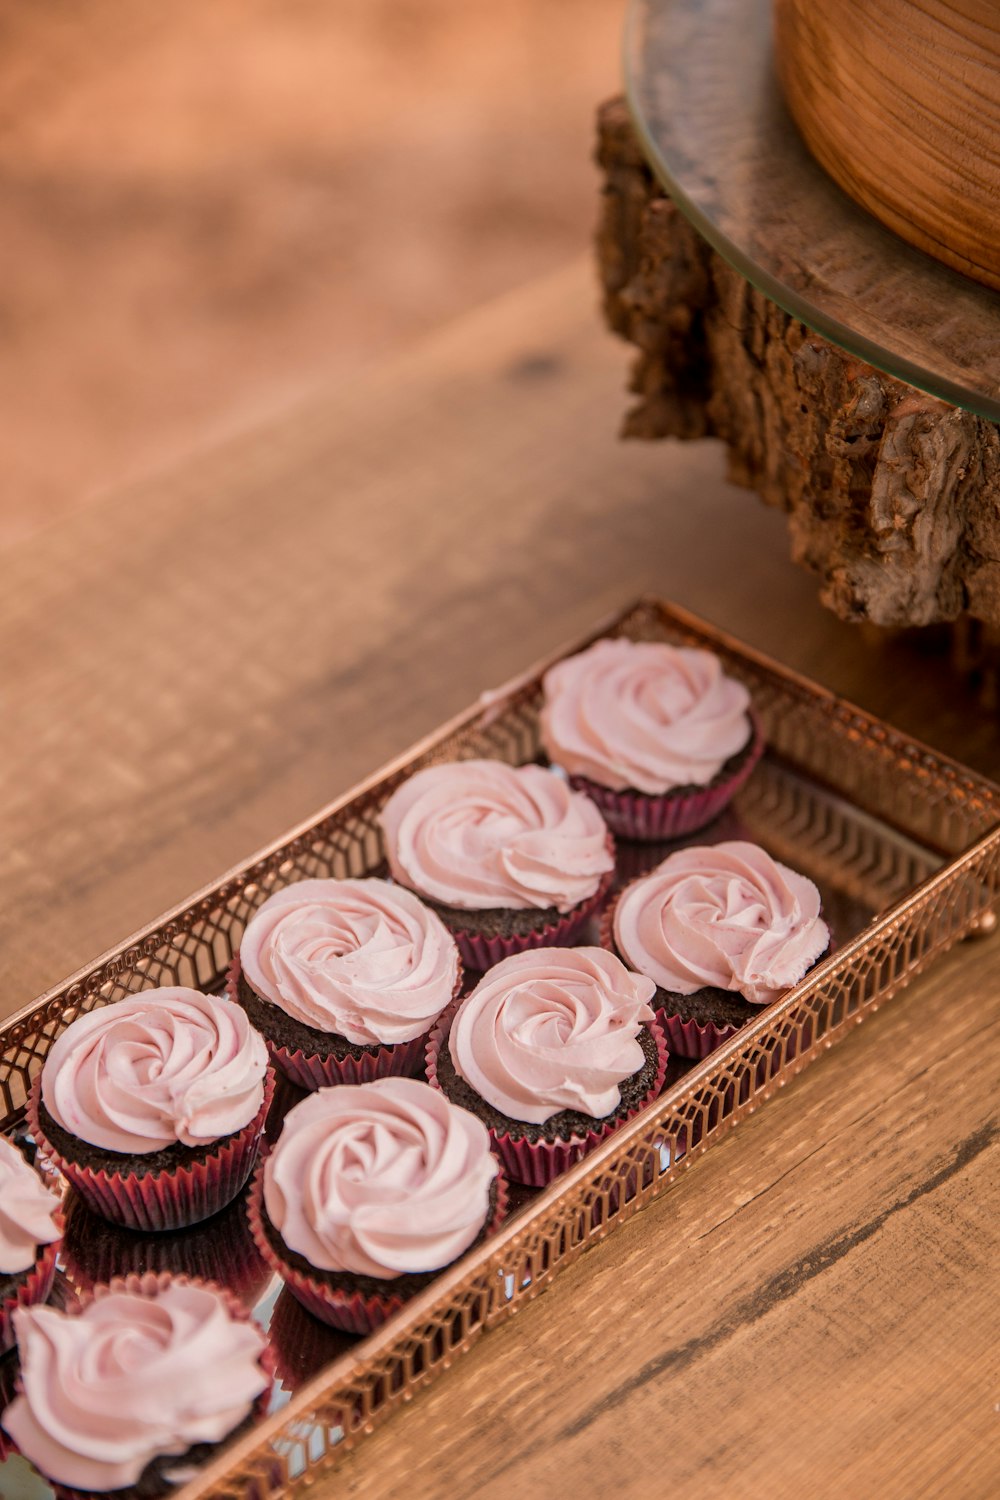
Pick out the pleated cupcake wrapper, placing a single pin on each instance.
(635, 815)
(689, 1038)
(313, 1071)
(171, 1199)
(480, 951)
(34, 1287)
(536, 1163)
(147, 1283)
(222, 1252)
(351, 1312)
(301, 1344)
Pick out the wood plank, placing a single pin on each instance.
(811, 1310)
(197, 663)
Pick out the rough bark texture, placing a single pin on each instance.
(893, 497)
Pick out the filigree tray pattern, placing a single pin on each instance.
(904, 845)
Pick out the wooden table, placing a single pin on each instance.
(199, 662)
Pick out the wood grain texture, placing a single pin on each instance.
(193, 665)
(811, 1311)
(892, 497)
(900, 102)
(301, 189)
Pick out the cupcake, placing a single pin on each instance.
(722, 930)
(344, 979)
(553, 1050)
(131, 1391)
(510, 857)
(657, 735)
(152, 1108)
(30, 1231)
(371, 1190)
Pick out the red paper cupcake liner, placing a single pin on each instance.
(480, 951)
(692, 1039)
(353, 1312)
(313, 1071)
(689, 1038)
(635, 815)
(220, 1250)
(536, 1163)
(34, 1287)
(170, 1199)
(147, 1283)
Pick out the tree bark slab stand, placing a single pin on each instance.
(892, 496)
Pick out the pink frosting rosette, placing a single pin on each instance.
(30, 1231)
(646, 729)
(546, 1034)
(362, 960)
(147, 1369)
(725, 916)
(170, 1068)
(369, 1188)
(482, 836)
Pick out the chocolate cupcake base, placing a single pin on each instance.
(486, 936)
(534, 1154)
(319, 1059)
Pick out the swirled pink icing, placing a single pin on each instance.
(726, 915)
(168, 1065)
(479, 834)
(362, 958)
(643, 715)
(552, 1029)
(379, 1178)
(27, 1211)
(130, 1378)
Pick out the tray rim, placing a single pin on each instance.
(978, 792)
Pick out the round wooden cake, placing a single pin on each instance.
(900, 101)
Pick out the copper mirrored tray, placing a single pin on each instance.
(905, 847)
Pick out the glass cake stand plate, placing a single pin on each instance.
(705, 101)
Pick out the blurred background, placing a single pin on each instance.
(205, 209)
